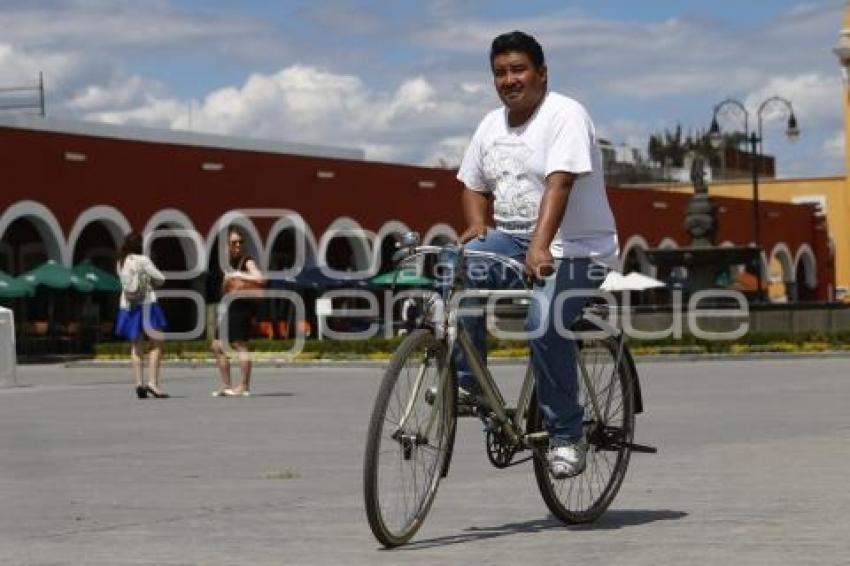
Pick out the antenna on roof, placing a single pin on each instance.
(18, 97)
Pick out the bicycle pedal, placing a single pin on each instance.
(641, 448)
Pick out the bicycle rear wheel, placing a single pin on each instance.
(609, 432)
(409, 439)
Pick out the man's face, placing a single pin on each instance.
(519, 84)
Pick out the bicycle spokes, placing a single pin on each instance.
(409, 439)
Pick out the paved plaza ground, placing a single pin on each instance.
(752, 469)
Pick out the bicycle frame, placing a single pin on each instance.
(512, 426)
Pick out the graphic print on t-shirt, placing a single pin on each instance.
(505, 167)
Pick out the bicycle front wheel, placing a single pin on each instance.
(409, 438)
(607, 396)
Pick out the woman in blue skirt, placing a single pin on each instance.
(139, 314)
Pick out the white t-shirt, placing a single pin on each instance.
(513, 164)
(140, 262)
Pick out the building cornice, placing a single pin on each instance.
(174, 137)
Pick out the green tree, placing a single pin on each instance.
(669, 148)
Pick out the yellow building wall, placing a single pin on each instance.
(846, 128)
(832, 189)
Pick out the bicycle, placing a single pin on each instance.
(412, 428)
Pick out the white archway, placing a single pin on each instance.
(359, 239)
(805, 257)
(45, 223)
(786, 259)
(439, 231)
(389, 228)
(178, 225)
(253, 247)
(668, 244)
(111, 218)
(781, 279)
(168, 216)
(636, 242)
(305, 257)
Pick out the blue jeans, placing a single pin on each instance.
(553, 356)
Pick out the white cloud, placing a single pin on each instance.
(816, 99)
(655, 59)
(21, 67)
(473, 88)
(448, 152)
(633, 133)
(416, 91)
(300, 104)
(153, 23)
(834, 146)
(120, 92)
(155, 112)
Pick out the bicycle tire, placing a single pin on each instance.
(396, 509)
(585, 497)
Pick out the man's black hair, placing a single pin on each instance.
(517, 41)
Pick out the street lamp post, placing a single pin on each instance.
(754, 138)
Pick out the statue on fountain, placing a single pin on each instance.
(701, 213)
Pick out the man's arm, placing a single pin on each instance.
(476, 209)
(553, 205)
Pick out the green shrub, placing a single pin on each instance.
(380, 348)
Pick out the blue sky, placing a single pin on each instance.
(408, 81)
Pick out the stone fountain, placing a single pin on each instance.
(706, 264)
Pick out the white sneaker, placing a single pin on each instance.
(566, 458)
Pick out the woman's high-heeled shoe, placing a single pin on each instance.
(141, 392)
(157, 394)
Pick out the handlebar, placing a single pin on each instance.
(409, 253)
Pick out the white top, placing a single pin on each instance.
(513, 163)
(141, 262)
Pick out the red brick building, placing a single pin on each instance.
(71, 190)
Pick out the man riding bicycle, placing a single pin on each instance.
(537, 162)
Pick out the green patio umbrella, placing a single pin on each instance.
(55, 276)
(12, 288)
(101, 279)
(403, 277)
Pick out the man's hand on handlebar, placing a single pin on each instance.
(539, 263)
